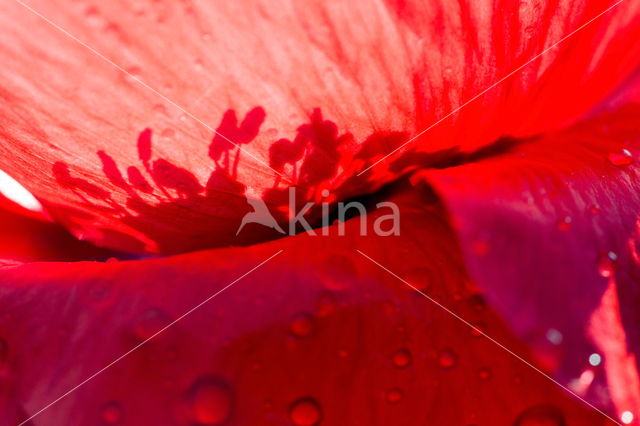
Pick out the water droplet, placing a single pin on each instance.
(564, 224)
(402, 358)
(206, 36)
(112, 412)
(394, 395)
(302, 325)
(530, 31)
(447, 359)
(338, 272)
(210, 401)
(150, 322)
(420, 278)
(198, 65)
(594, 210)
(606, 264)
(626, 417)
(554, 336)
(92, 15)
(168, 133)
(305, 412)
(271, 133)
(97, 293)
(477, 302)
(161, 109)
(621, 158)
(326, 305)
(132, 74)
(478, 329)
(542, 415)
(484, 374)
(595, 359)
(523, 6)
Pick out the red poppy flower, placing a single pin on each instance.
(163, 133)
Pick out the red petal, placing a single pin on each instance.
(550, 231)
(351, 82)
(25, 239)
(318, 334)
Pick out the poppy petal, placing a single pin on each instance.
(111, 108)
(316, 335)
(549, 229)
(27, 239)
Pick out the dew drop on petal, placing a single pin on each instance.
(271, 133)
(338, 272)
(447, 359)
(210, 401)
(302, 325)
(626, 417)
(305, 412)
(529, 32)
(541, 415)
(420, 278)
(478, 329)
(554, 336)
(132, 74)
(394, 395)
(326, 305)
(484, 374)
(564, 224)
(150, 322)
(168, 133)
(161, 109)
(92, 16)
(607, 264)
(112, 412)
(401, 358)
(477, 302)
(595, 359)
(620, 158)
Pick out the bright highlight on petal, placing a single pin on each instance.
(11, 188)
(243, 100)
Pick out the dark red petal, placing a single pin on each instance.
(317, 335)
(550, 231)
(316, 91)
(28, 239)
